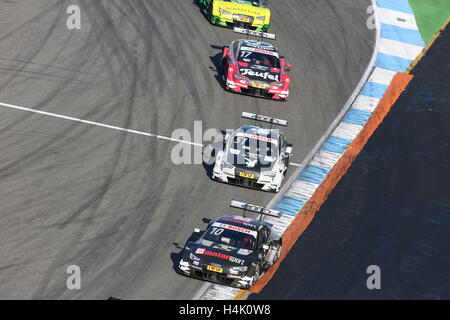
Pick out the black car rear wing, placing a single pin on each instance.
(258, 117)
(253, 208)
(260, 34)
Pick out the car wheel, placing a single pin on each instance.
(223, 71)
(209, 11)
(286, 163)
(277, 253)
(223, 66)
(256, 274)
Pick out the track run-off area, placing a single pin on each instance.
(103, 193)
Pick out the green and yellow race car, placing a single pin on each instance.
(249, 14)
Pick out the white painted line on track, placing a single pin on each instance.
(103, 125)
(98, 124)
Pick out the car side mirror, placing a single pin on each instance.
(196, 230)
(289, 149)
(287, 67)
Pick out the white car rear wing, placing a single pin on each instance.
(251, 207)
(258, 117)
(253, 33)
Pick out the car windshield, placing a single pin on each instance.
(259, 57)
(255, 3)
(252, 151)
(231, 238)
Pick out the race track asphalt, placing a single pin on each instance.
(112, 202)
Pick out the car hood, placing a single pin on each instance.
(250, 164)
(223, 256)
(258, 73)
(242, 8)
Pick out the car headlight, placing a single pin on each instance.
(239, 269)
(224, 11)
(226, 165)
(238, 76)
(261, 18)
(269, 174)
(277, 84)
(193, 257)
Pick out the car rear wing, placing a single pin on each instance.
(258, 117)
(253, 33)
(253, 208)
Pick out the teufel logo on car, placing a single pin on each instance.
(263, 75)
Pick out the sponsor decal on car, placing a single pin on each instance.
(259, 85)
(262, 75)
(215, 269)
(220, 256)
(239, 229)
(247, 175)
(243, 230)
(200, 251)
(222, 248)
(236, 260)
(216, 254)
(242, 19)
(240, 10)
(260, 50)
(258, 67)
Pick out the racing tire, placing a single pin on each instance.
(277, 253)
(223, 72)
(256, 274)
(276, 246)
(209, 11)
(223, 66)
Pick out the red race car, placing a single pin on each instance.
(255, 68)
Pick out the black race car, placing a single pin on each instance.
(233, 250)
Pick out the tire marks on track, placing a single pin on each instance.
(101, 199)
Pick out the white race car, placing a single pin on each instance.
(254, 157)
